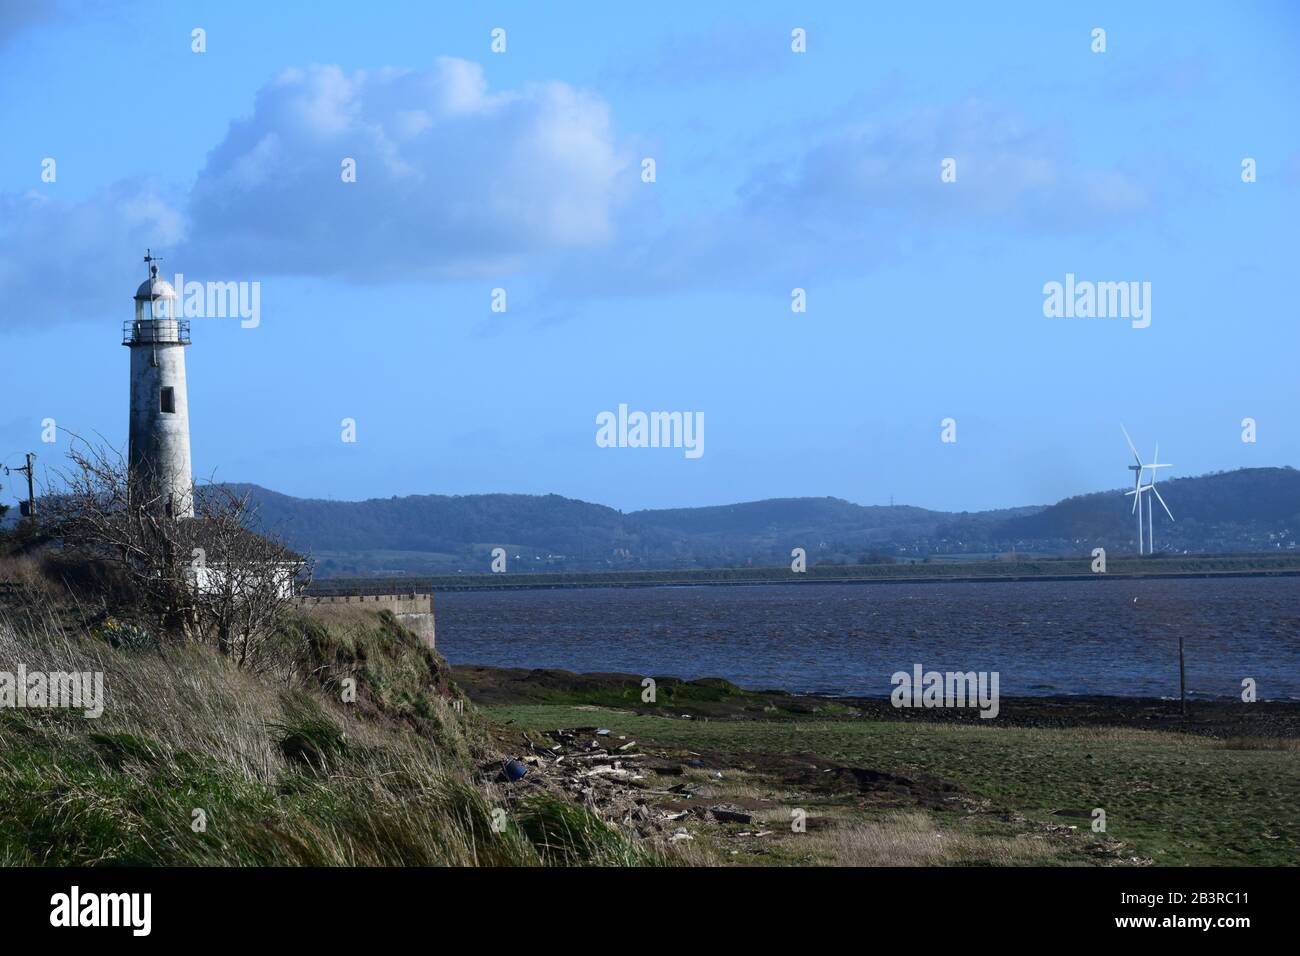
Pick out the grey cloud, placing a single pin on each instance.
(71, 256)
(19, 15)
(1011, 174)
(868, 191)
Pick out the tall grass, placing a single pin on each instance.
(196, 762)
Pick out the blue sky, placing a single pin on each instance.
(775, 170)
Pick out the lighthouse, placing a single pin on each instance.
(159, 457)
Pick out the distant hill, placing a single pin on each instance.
(444, 524)
(1247, 510)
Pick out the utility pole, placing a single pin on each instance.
(28, 508)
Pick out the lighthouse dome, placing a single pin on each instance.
(155, 288)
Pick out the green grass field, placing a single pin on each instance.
(1171, 798)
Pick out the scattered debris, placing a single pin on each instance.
(609, 778)
(730, 813)
(605, 774)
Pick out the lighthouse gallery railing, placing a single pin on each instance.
(156, 332)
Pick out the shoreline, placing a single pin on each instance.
(938, 579)
(748, 578)
(718, 699)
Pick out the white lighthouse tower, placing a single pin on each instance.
(159, 456)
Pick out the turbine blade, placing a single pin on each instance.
(1163, 505)
(1131, 446)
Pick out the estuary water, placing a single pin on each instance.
(1096, 636)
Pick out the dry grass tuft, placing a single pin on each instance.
(913, 839)
(1289, 744)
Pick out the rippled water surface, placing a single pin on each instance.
(1103, 636)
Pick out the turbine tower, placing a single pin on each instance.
(1137, 483)
(1151, 487)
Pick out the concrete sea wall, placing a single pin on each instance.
(415, 611)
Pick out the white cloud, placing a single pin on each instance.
(452, 180)
(455, 181)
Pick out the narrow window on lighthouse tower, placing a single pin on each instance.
(168, 399)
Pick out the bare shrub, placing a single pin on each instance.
(206, 578)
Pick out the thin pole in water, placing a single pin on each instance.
(1182, 675)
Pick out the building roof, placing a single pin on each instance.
(204, 533)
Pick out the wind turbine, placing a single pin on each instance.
(1139, 489)
(1137, 483)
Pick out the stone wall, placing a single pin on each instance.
(415, 611)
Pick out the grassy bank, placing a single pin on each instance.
(197, 762)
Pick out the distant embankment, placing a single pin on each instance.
(414, 609)
(1045, 569)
